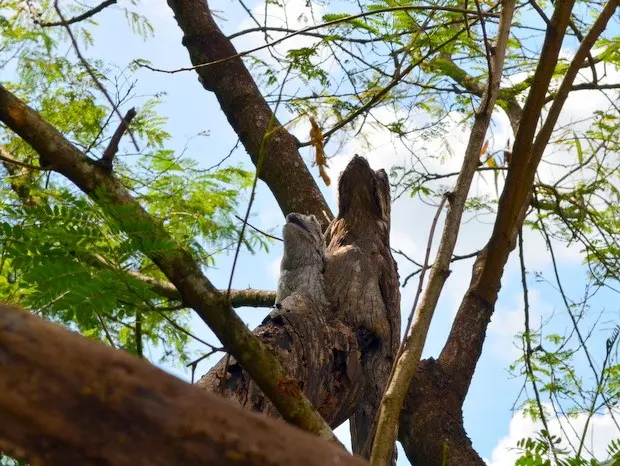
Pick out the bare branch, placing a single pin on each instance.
(78, 18)
(528, 346)
(107, 158)
(396, 79)
(92, 73)
(315, 27)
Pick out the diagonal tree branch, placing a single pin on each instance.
(411, 352)
(176, 263)
(248, 113)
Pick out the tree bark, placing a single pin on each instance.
(68, 400)
(319, 352)
(248, 112)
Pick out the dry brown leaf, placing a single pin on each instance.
(316, 139)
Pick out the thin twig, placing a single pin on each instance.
(105, 330)
(454, 259)
(396, 79)
(195, 362)
(138, 329)
(183, 330)
(425, 267)
(254, 184)
(259, 231)
(314, 27)
(528, 347)
(249, 209)
(25, 165)
(487, 49)
(78, 18)
(92, 73)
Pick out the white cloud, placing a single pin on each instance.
(601, 431)
(273, 268)
(508, 320)
(290, 14)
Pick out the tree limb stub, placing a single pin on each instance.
(177, 264)
(248, 113)
(67, 400)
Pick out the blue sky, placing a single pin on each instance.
(191, 110)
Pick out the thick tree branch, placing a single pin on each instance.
(176, 263)
(464, 345)
(58, 409)
(248, 112)
(413, 345)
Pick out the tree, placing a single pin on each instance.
(136, 242)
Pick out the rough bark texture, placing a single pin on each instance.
(321, 354)
(318, 351)
(362, 283)
(248, 112)
(67, 400)
(431, 422)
